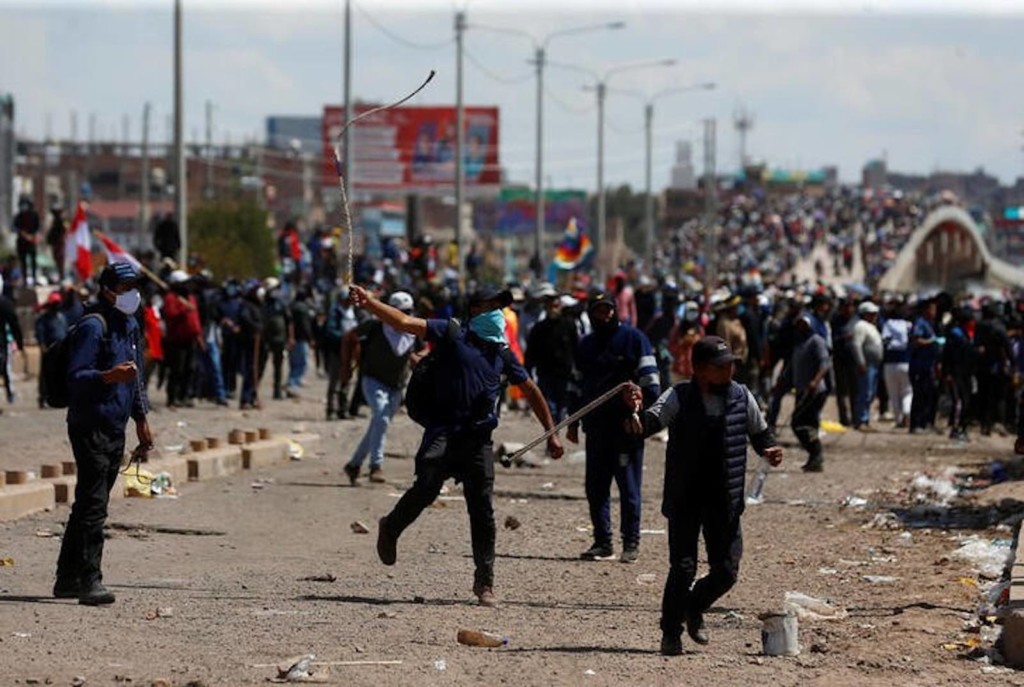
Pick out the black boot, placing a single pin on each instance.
(65, 588)
(95, 594)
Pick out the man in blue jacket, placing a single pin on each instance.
(614, 353)
(103, 392)
(710, 421)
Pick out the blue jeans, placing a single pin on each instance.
(297, 359)
(215, 373)
(383, 401)
(867, 383)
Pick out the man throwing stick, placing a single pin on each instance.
(472, 362)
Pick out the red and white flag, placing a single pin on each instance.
(78, 249)
(117, 254)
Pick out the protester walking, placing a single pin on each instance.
(383, 353)
(710, 421)
(614, 353)
(809, 367)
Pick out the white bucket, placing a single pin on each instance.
(780, 634)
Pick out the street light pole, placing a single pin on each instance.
(649, 233)
(460, 123)
(602, 87)
(648, 199)
(540, 61)
(538, 242)
(180, 172)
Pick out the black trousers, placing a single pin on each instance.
(992, 388)
(336, 399)
(275, 353)
(846, 388)
(229, 361)
(960, 392)
(98, 454)
(179, 358)
(806, 423)
(926, 397)
(469, 458)
(723, 541)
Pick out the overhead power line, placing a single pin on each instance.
(414, 45)
(473, 60)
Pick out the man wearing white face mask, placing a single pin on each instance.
(104, 390)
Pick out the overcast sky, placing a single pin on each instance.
(931, 85)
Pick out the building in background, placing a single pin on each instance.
(684, 177)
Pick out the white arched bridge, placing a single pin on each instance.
(947, 251)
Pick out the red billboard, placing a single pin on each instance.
(413, 148)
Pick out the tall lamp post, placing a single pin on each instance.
(540, 46)
(602, 88)
(649, 234)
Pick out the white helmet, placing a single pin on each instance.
(178, 277)
(271, 283)
(400, 300)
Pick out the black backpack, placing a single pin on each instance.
(55, 362)
(426, 399)
(422, 393)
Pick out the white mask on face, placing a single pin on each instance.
(128, 302)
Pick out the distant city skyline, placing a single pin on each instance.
(929, 91)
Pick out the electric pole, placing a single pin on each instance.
(460, 124)
(743, 120)
(208, 193)
(346, 143)
(180, 171)
(144, 181)
(710, 208)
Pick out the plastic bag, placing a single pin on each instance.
(809, 608)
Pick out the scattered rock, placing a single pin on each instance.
(418, 600)
(359, 528)
(512, 523)
(387, 615)
(325, 577)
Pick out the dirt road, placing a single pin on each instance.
(207, 609)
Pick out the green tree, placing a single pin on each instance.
(233, 239)
(624, 203)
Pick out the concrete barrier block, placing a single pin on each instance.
(209, 464)
(309, 442)
(19, 500)
(265, 454)
(64, 489)
(17, 477)
(50, 470)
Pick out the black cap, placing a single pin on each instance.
(712, 349)
(600, 298)
(484, 294)
(117, 273)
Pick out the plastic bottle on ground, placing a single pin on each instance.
(481, 638)
(755, 494)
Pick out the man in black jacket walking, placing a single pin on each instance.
(710, 420)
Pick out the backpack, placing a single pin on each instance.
(425, 400)
(55, 362)
(421, 393)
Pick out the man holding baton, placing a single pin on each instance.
(457, 437)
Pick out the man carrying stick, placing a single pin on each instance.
(457, 438)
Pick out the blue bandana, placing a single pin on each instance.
(489, 326)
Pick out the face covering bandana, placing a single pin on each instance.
(489, 326)
(128, 302)
(400, 342)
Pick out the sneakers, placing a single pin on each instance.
(95, 595)
(598, 552)
(387, 545)
(485, 595)
(630, 553)
(695, 627)
(377, 476)
(65, 589)
(671, 646)
(352, 471)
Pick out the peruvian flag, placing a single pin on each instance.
(117, 254)
(78, 249)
